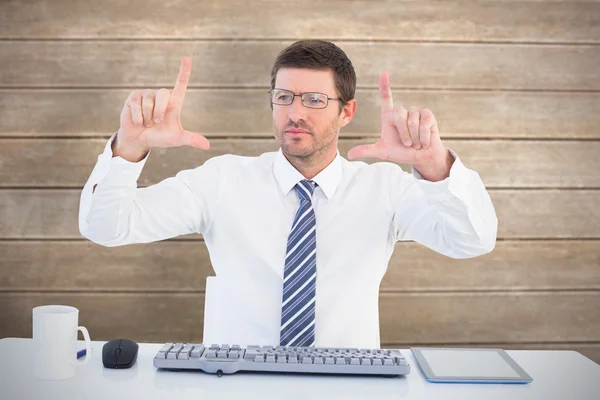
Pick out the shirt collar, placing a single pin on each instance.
(287, 176)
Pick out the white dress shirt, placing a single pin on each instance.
(244, 207)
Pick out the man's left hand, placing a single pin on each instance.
(407, 136)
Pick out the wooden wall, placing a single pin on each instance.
(515, 87)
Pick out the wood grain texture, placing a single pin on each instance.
(53, 214)
(408, 318)
(183, 266)
(526, 164)
(248, 64)
(517, 21)
(246, 112)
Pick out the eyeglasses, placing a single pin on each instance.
(285, 97)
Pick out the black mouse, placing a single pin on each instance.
(119, 353)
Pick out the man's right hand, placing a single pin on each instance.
(153, 120)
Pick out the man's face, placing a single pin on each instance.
(322, 125)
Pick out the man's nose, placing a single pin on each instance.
(296, 110)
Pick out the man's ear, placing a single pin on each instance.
(348, 112)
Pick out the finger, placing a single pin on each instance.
(427, 122)
(160, 104)
(195, 140)
(400, 118)
(182, 80)
(413, 126)
(365, 151)
(134, 101)
(148, 107)
(385, 91)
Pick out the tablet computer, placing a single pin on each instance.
(468, 365)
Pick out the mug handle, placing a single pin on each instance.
(88, 346)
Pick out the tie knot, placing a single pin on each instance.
(305, 189)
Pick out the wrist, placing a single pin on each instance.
(435, 167)
(130, 152)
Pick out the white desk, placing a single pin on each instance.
(564, 375)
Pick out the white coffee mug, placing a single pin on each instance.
(55, 330)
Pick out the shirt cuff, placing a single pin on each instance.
(119, 170)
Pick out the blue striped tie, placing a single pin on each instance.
(300, 274)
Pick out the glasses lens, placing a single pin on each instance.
(314, 100)
(282, 97)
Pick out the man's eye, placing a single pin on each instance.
(316, 100)
(284, 97)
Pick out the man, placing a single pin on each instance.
(299, 238)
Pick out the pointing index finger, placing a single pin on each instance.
(182, 79)
(387, 103)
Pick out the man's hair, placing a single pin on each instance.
(319, 55)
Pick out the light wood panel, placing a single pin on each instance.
(540, 214)
(522, 164)
(518, 21)
(183, 266)
(249, 63)
(408, 318)
(246, 112)
(589, 350)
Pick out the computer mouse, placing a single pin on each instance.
(119, 353)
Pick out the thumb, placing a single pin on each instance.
(363, 151)
(195, 140)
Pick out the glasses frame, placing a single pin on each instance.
(301, 100)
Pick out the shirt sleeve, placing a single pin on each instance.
(454, 217)
(117, 212)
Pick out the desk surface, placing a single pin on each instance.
(557, 375)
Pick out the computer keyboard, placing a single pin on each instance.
(226, 359)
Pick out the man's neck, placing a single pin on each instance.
(311, 167)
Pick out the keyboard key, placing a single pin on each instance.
(171, 355)
(259, 358)
(215, 347)
(365, 361)
(222, 354)
(377, 361)
(235, 347)
(197, 351)
(354, 361)
(177, 347)
(318, 360)
(292, 359)
(329, 360)
(271, 358)
(388, 361)
(166, 347)
(225, 347)
(234, 354)
(211, 354)
(281, 359)
(340, 361)
(307, 360)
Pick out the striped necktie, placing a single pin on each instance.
(300, 274)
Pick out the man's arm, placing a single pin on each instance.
(454, 216)
(114, 212)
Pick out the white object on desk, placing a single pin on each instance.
(557, 375)
(469, 365)
(55, 330)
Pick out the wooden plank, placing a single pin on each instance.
(407, 318)
(547, 163)
(519, 21)
(589, 350)
(470, 114)
(139, 317)
(53, 213)
(183, 266)
(490, 317)
(249, 63)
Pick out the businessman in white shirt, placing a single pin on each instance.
(300, 238)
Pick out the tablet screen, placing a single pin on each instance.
(461, 363)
